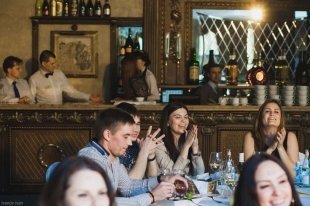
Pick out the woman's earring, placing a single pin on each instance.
(292, 202)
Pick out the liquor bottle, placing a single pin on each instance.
(194, 68)
(45, 8)
(257, 75)
(89, 8)
(282, 69)
(53, 8)
(305, 168)
(129, 42)
(106, 9)
(211, 63)
(38, 8)
(232, 69)
(241, 162)
(122, 50)
(136, 43)
(73, 8)
(98, 8)
(82, 8)
(65, 11)
(59, 8)
(302, 70)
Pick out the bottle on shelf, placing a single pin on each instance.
(302, 70)
(232, 69)
(98, 9)
(45, 8)
(59, 8)
(194, 68)
(53, 8)
(82, 8)
(122, 50)
(241, 161)
(281, 69)
(305, 168)
(106, 9)
(129, 42)
(38, 8)
(65, 11)
(211, 63)
(136, 43)
(73, 8)
(89, 8)
(257, 75)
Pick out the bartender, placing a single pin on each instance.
(210, 92)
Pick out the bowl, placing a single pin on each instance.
(140, 99)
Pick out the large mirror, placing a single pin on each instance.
(249, 31)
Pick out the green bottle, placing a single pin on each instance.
(194, 69)
(38, 8)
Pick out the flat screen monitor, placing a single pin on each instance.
(167, 92)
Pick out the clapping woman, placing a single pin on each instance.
(181, 149)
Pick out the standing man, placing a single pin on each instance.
(13, 89)
(114, 129)
(49, 83)
(209, 93)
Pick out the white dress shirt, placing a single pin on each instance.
(49, 90)
(7, 94)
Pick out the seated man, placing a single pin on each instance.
(13, 89)
(114, 128)
(49, 83)
(140, 156)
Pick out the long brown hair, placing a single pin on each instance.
(258, 126)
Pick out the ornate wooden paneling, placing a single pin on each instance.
(32, 149)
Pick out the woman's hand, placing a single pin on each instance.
(280, 137)
(191, 135)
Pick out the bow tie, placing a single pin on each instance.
(49, 74)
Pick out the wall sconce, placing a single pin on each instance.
(173, 40)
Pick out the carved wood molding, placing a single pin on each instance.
(47, 116)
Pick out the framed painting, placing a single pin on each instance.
(76, 52)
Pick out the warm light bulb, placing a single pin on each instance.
(257, 14)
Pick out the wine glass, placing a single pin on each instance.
(180, 188)
(216, 161)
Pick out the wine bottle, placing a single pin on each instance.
(129, 42)
(38, 8)
(257, 75)
(241, 162)
(136, 43)
(59, 8)
(194, 68)
(211, 63)
(232, 69)
(98, 8)
(281, 69)
(45, 8)
(302, 70)
(65, 11)
(73, 9)
(53, 8)
(106, 9)
(89, 8)
(82, 8)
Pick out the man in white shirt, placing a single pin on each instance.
(48, 84)
(13, 89)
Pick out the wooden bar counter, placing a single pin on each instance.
(34, 136)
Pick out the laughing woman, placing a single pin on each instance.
(180, 150)
(270, 135)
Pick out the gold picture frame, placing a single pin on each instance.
(76, 52)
